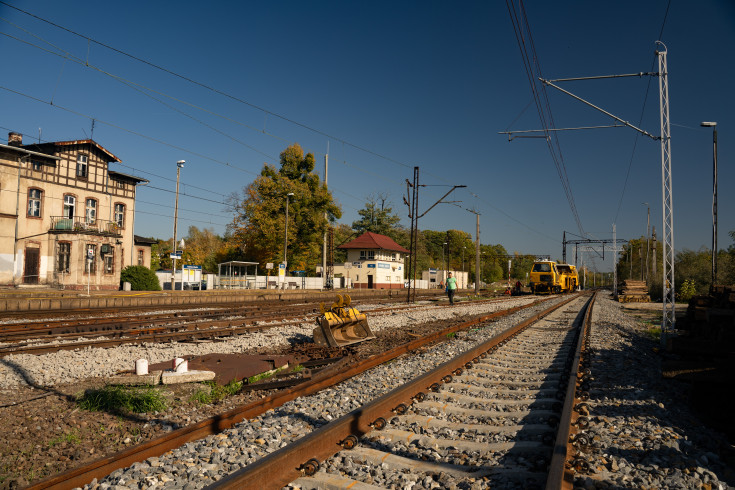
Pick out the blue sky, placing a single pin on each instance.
(386, 86)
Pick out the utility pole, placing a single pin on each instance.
(653, 242)
(179, 166)
(648, 241)
(326, 278)
(615, 263)
(413, 214)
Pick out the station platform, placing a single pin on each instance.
(48, 299)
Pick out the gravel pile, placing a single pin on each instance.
(643, 433)
(73, 365)
(199, 463)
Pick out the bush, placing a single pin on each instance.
(688, 291)
(141, 278)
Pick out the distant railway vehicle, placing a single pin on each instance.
(549, 277)
(569, 278)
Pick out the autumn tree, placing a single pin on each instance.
(201, 248)
(260, 213)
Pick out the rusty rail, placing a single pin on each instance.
(287, 464)
(328, 377)
(158, 330)
(572, 415)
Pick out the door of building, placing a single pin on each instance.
(370, 282)
(30, 271)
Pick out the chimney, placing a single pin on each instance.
(15, 139)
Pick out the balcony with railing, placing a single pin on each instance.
(83, 225)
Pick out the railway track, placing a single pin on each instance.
(342, 371)
(497, 414)
(45, 336)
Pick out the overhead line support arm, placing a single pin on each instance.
(547, 82)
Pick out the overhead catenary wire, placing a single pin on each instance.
(543, 107)
(266, 112)
(143, 90)
(210, 88)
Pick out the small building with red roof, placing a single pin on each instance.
(374, 261)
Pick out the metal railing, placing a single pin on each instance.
(80, 224)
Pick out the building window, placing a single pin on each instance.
(109, 259)
(371, 254)
(36, 165)
(120, 184)
(90, 264)
(34, 203)
(140, 257)
(120, 215)
(393, 256)
(63, 259)
(362, 255)
(90, 212)
(82, 166)
(69, 205)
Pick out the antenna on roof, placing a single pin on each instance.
(91, 135)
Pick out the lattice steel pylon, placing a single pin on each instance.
(668, 323)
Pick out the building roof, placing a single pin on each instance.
(370, 240)
(141, 240)
(122, 176)
(43, 146)
(28, 152)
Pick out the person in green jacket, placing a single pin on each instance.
(451, 288)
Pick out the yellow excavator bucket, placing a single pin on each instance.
(341, 325)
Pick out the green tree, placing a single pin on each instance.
(260, 219)
(376, 217)
(160, 255)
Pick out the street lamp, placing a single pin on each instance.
(713, 125)
(179, 166)
(285, 235)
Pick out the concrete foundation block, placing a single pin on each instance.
(152, 378)
(172, 378)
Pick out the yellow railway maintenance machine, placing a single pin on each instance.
(548, 277)
(341, 324)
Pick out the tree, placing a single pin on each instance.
(160, 255)
(260, 219)
(202, 248)
(377, 217)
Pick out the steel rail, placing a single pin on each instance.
(560, 476)
(248, 301)
(335, 374)
(212, 329)
(302, 457)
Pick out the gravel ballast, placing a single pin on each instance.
(68, 366)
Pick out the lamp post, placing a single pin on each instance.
(285, 237)
(713, 125)
(179, 166)
(648, 224)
